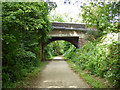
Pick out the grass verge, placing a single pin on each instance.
(92, 80)
(30, 77)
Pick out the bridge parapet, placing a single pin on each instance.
(70, 25)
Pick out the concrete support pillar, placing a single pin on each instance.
(81, 42)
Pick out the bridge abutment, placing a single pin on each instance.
(81, 42)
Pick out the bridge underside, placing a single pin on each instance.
(73, 40)
(71, 32)
(76, 37)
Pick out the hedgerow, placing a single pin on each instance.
(25, 25)
(99, 58)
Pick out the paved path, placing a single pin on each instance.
(58, 74)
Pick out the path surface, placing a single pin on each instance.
(58, 74)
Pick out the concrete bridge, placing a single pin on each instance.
(71, 32)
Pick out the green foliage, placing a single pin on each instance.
(65, 17)
(102, 16)
(57, 48)
(93, 35)
(93, 81)
(101, 60)
(54, 49)
(56, 18)
(21, 16)
(69, 52)
(25, 26)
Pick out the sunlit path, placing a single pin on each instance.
(58, 57)
(58, 74)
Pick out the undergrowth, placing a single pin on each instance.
(28, 74)
(100, 58)
(93, 81)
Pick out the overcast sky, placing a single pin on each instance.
(70, 7)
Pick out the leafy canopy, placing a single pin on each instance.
(102, 15)
(25, 25)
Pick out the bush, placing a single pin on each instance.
(99, 59)
(25, 26)
(23, 64)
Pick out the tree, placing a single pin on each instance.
(25, 25)
(102, 15)
(56, 18)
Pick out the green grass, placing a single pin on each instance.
(92, 80)
(30, 77)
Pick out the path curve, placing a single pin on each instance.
(58, 74)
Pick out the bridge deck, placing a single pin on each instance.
(73, 25)
(70, 26)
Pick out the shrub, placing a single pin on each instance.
(100, 59)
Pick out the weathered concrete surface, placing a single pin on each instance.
(70, 25)
(65, 31)
(58, 74)
(73, 40)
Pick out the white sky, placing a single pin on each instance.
(61, 8)
(72, 10)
